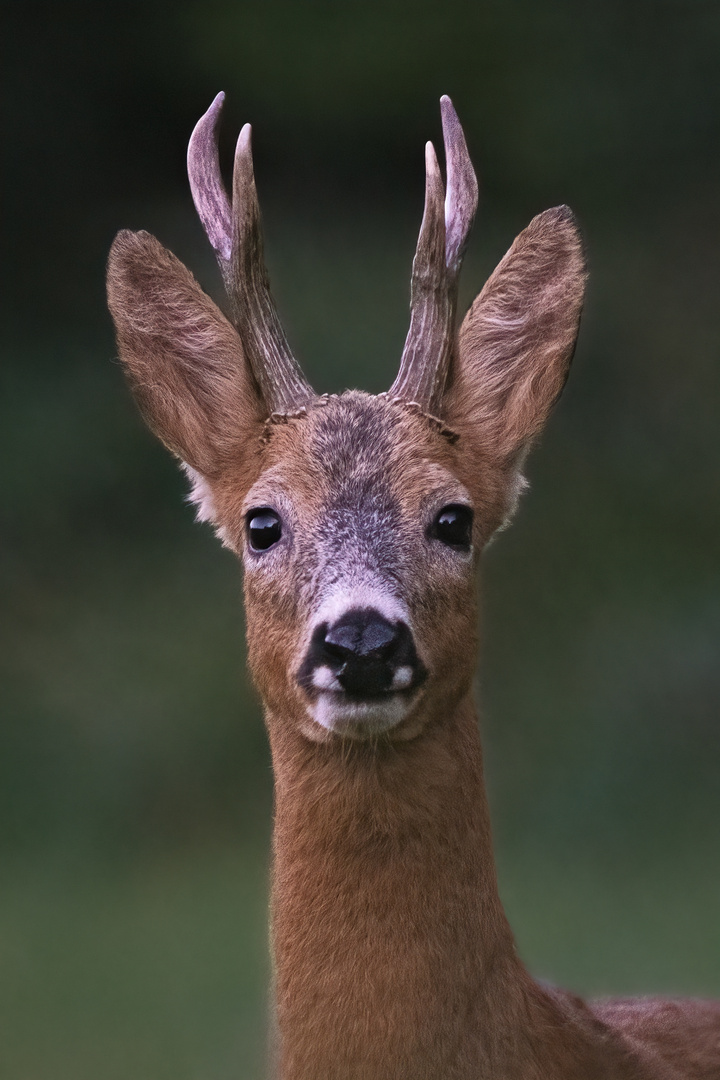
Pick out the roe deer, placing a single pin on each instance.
(360, 521)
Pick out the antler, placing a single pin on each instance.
(436, 268)
(235, 234)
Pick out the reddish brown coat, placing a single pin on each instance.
(393, 956)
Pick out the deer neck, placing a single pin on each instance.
(393, 955)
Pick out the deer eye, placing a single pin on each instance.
(264, 529)
(453, 526)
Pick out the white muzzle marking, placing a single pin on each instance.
(357, 719)
(332, 708)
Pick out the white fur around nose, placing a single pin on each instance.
(324, 679)
(332, 709)
(363, 597)
(403, 678)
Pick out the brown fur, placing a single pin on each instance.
(394, 959)
(517, 340)
(184, 360)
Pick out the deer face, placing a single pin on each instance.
(359, 519)
(358, 541)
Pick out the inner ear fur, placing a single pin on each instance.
(183, 359)
(516, 342)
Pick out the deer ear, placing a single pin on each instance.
(517, 340)
(184, 360)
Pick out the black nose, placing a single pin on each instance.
(362, 635)
(365, 653)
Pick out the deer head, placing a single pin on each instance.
(359, 519)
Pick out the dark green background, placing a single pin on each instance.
(134, 776)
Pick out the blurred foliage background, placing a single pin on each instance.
(135, 789)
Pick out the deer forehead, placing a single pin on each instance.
(357, 482)
(359, 459)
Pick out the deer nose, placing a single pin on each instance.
(361, 636)
(364, 654)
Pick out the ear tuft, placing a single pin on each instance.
(202, 498)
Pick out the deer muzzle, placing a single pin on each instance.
(361, 672)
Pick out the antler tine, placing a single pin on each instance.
(281, 381)
(208, 190)
(462, 188)
(235, 234)
(441, 245)
(417, 379)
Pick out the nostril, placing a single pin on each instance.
(342, 641)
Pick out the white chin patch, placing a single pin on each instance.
(357, 719)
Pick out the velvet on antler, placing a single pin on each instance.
(234, 231)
